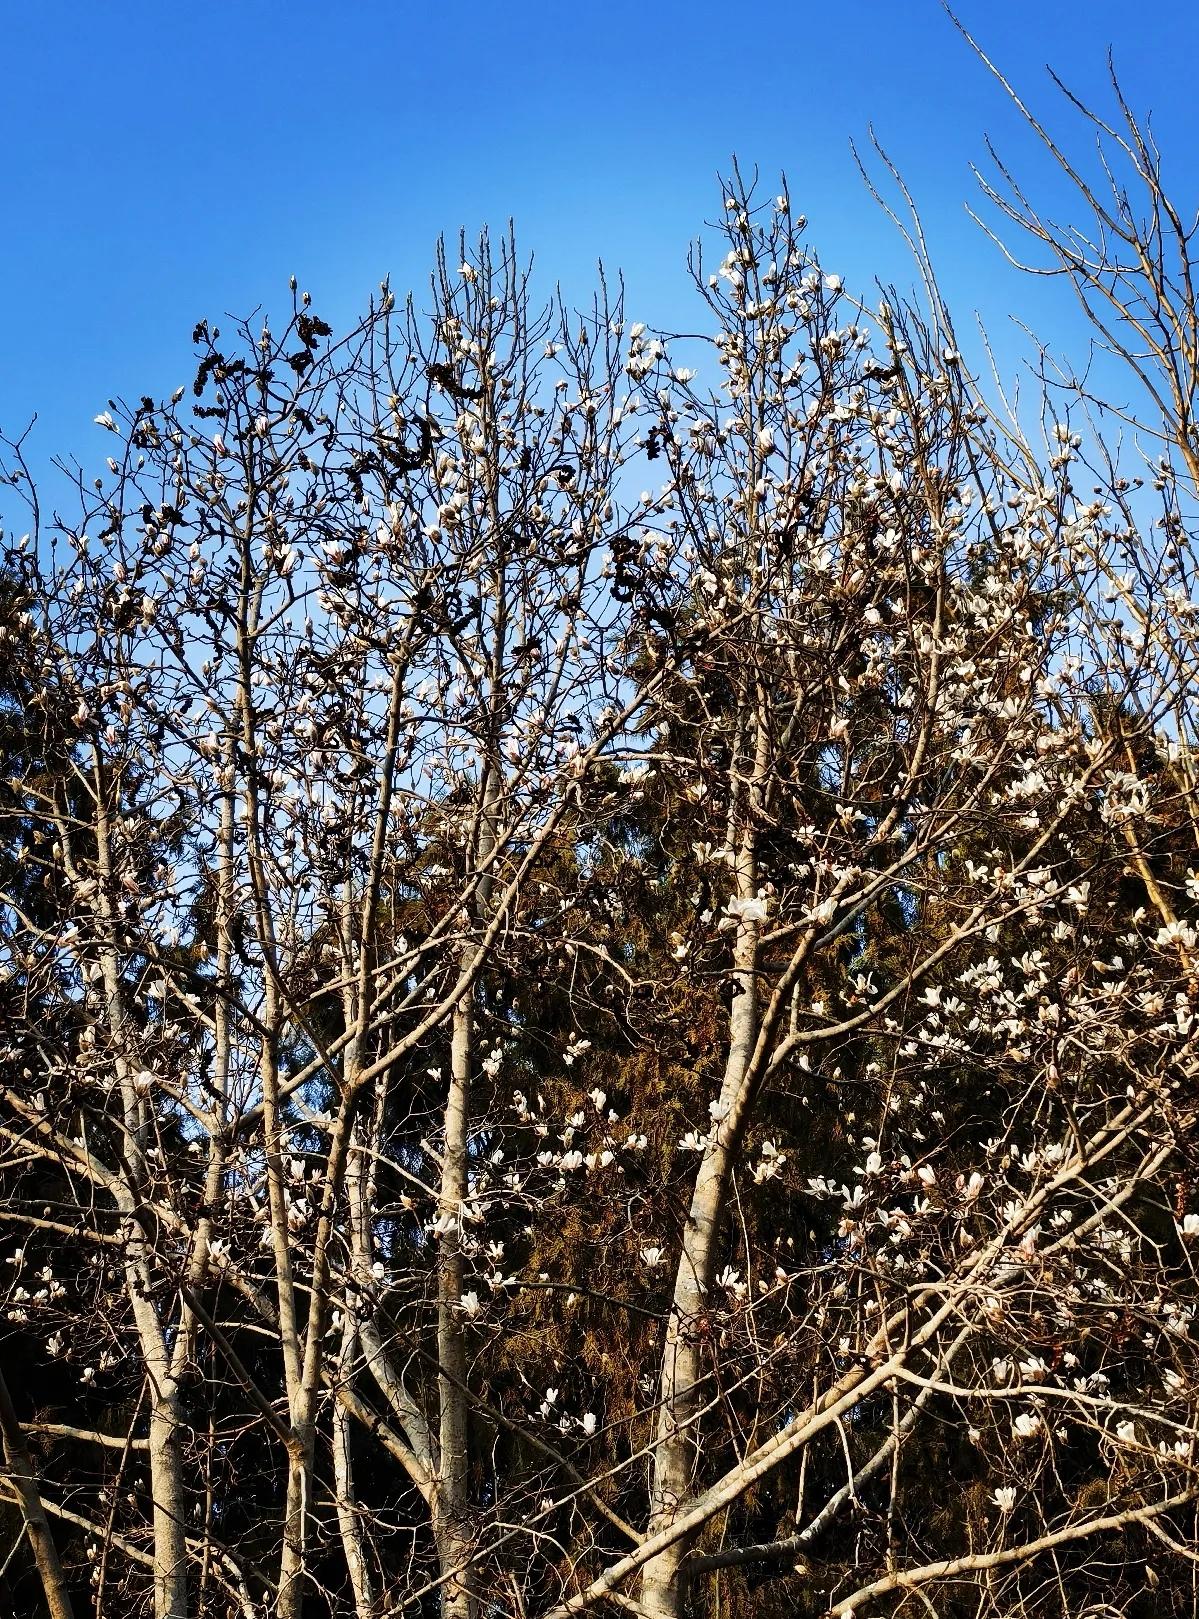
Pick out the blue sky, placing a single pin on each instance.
(167, 161)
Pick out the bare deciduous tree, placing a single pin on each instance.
(568, 1047)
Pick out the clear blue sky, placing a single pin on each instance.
(170, 160)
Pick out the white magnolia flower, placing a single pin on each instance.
(653, 1258)
(470, 1303)
(1004, 1498)
(105, 420)
(1189, 1226)
(1026, 1425)
(748, 910)
(1126, 1433)
(589, 1423)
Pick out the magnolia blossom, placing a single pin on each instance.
(748, 910)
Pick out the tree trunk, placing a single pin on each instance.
(166, 1484)
(451, 1503)
(676, 1444)
(23, 1479)
(455, 1548)
(348, 1520)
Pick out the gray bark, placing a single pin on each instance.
(22, 1477)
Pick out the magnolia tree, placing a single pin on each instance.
(571, 1049)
